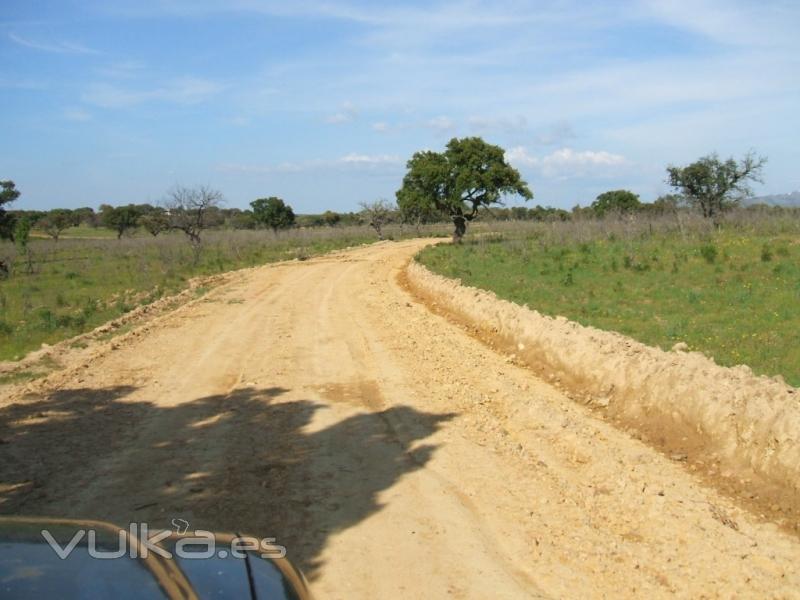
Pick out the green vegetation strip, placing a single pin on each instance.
(731, 295)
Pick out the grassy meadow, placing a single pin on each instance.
(89, 277)
(732, 293)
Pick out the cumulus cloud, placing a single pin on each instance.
(566, 163)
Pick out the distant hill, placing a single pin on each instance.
(791, 199)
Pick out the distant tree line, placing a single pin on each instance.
(469, 177)
(125, 219)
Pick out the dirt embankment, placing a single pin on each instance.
(741, 430)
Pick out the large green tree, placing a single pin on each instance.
(712, 184)
(470, 174)
(121, 219)
(273, 212)
(616, 202)
(417, 213)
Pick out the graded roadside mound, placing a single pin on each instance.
(742, 429)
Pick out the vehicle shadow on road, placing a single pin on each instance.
(243, 462)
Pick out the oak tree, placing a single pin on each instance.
(469, 175)
(713, 184)
(273, 212)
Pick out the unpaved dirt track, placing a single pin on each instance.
(391, 453)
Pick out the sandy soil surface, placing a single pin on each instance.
(739, 430)
(392, 454)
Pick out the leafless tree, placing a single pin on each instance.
(377, 214)
(187, 210)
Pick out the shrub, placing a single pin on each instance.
(709, 253)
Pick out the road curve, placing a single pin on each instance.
(394, 456)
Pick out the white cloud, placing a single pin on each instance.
(566, 163)
(441, 124)
(632, 86)
(56, 47)
(185, 90)
(348, 113)
(366, 159)
(732, 22)
(380, 126)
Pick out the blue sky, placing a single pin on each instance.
(322, 103)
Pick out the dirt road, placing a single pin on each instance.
(393, 455)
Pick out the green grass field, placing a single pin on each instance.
(79, 283)
(732, 294)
